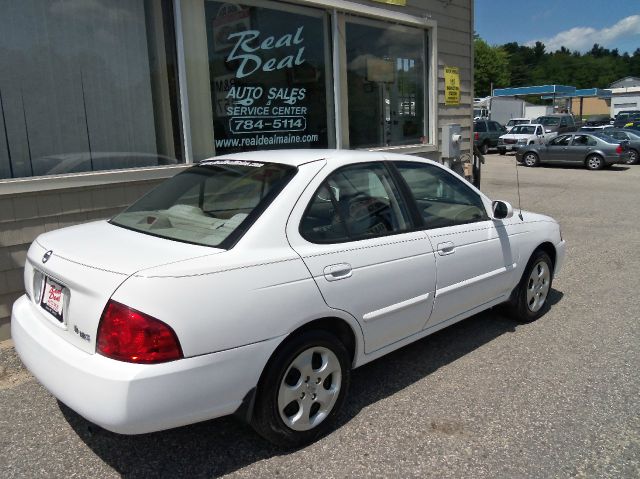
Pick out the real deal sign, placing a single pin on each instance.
(451, 86)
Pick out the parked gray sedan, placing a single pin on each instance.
(634, 142)
(594, 151)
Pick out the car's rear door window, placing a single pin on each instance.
(583, 140)
(442, 199)
(355, 202)
(209, 204)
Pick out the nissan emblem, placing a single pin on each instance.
(46, 256)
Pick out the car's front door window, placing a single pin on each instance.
(442, 199)
(355, 202)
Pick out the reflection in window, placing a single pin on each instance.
(442, 199)
(87, 86)
(385, 71)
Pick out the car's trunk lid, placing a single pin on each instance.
(80, 267)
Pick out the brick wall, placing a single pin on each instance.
(24, 216)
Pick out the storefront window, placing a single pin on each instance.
(267, 79)
(87, 86)
(386, 78)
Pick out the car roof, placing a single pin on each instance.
(299, 157)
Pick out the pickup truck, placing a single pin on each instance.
(556, 124)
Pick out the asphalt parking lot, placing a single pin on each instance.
(484, 398)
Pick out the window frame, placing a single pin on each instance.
(337, 122)
(406, 195)
(83, 179)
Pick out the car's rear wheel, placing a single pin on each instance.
(529, 299)
(594, 162)
(531, 159)
(302, 388)
(502, 152)
(633, 157)
(484, 148)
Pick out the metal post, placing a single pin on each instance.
(182, 83)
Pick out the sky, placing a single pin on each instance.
(575, 24)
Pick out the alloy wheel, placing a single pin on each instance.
(633, 157)
(538, 286)
(309, 388)
(530, 159)
(594, 162)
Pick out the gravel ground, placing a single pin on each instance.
(483, 398)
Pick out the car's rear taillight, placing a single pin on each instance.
(619, 149)
(129, 335)
(476, 136)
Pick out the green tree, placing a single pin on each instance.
(491, 66)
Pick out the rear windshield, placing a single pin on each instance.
(607, 138)
(627, 114)
(548, 120)
(210, 204)
(523, 130)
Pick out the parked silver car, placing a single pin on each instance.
(594, 151)
(634, 142)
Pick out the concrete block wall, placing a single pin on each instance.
(24, 216)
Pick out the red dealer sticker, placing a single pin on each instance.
(52, 299)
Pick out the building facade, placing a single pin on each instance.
(101, 100)
(625, 95)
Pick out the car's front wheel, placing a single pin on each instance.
(302, 388)
(530, 296)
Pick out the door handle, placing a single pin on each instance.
(446, 248)
(338, 271)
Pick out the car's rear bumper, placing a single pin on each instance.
(135, 398)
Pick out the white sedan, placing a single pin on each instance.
(254, 283)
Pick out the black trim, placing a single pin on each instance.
(235, 236)
(405, 191)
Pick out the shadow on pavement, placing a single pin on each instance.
(221, 446)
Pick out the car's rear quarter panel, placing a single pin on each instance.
(237, 302)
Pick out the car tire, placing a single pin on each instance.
(288, 411)
(484, 148)
(594, 162)
(502, 152)
(529, 299)
(530, 159)
(633, 157)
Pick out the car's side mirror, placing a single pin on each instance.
(501, 210)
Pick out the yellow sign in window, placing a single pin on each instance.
(451, 86)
